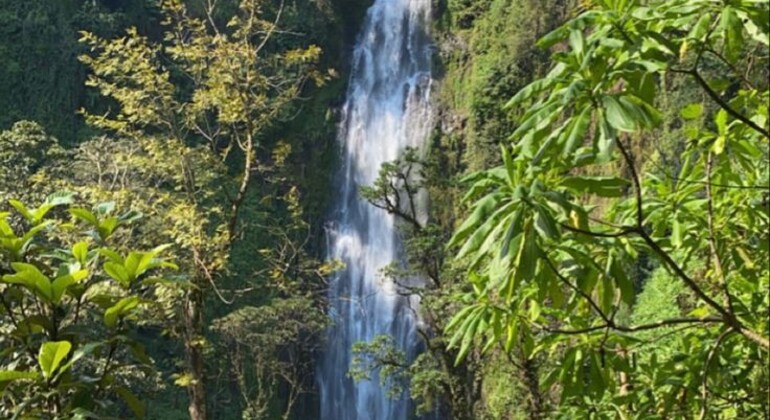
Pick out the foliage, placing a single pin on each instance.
(72, 304)
(434, 383)
(40, 76)
(553, 234)
(255, 259)
(25, 152)
(210, 89)
(283, 332)
(488, 52)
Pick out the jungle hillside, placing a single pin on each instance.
(583, 233)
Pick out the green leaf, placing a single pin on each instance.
(700, 29)
(80, 252)
(628, 113)
(733, 32)
(469, 334)
(120, 309)
(81, 352)
(601, 186)
(8, 376)
(528, 92)
(22, 209)
(105, 208)
(60, 198)
(481, 210)
(552, 38)
(578, 130)
(111, 255)
(545, 223)
(488, 226)
(526, 261)
(756, 26)
(720, 120)
(577, 41)
(118, 272)
(130, 217)
(136, 406)
(676, 234)
(51, 355)
(107, 227)
(60, 284)
(692, 111)
(30, 277)
(719, 145)
(132, 264)
(85, 215)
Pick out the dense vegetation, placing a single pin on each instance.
(597, 244)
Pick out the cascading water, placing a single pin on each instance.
(387, 110)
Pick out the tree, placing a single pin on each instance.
(27, 150)
(214, 82)
(553, 234)
(434, 381)
(72, 303)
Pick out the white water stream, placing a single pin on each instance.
(387, 110)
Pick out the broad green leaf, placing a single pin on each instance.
(107, 227)
(733, 32)
(469, 334)
(601, 186)
(118, 272)
(481, 210)
(628, 113)
(721, 122)
(578, 130)
(60, 284)
(80, 252)
(132, 264)
(105, 208)
(131, 400)
(85, 215)
(553, 37)
(78, 354)
(480, 234)
(60, 198)
(692, 111)
(8, 376)
(605, 141)
(545, 223)
(30, 277)
(130, 217)
(700, 29)
(528, 92)
(719, 145)
(120, 309)
(51, 355)
(676, 234)
(112, 255)
(22, 209)
(755, 27)
(462, 324)
(577, 41)
(19, 246)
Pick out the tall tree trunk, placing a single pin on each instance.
(531, 379)
(193, 338)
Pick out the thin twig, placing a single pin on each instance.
(709, 360)
(712, 237)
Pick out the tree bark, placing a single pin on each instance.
(193, 337)
(536, 403)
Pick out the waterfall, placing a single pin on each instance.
(387, 110)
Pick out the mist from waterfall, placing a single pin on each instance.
(387, 110)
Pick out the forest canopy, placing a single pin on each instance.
(596, 244)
